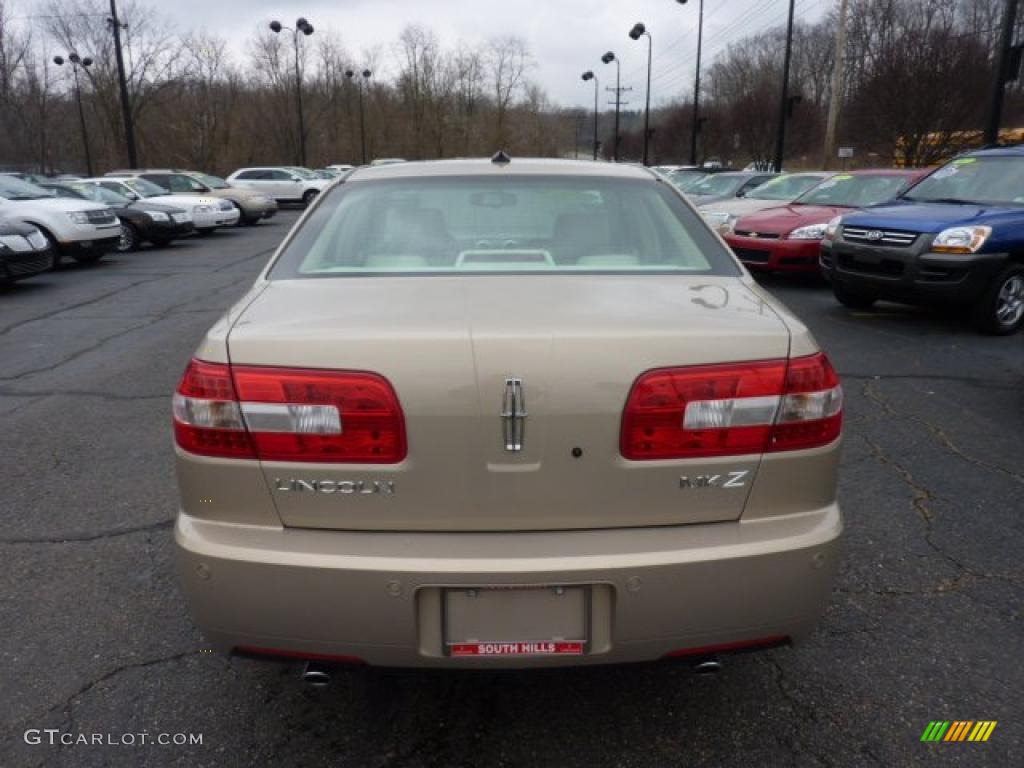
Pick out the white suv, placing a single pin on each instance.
(284, 184)
(208, 213)
(80, 229)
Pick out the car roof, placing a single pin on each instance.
(515, 167)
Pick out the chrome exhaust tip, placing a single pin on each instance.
(708, 667)
(315, 675)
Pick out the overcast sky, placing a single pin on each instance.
(565, 37)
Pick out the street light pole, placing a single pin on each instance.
(362, 116)
(304, 27)
(784, 105)
(76, 61)
(695, 128)
(638, 31)
(608, 58)
(126, 107)
(589, 75)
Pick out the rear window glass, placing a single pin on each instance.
(521, 224)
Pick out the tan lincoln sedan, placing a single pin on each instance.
(506, 413)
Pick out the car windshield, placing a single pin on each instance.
(99, 194)
(13, 188)
(849, 191)
(787, 187)
(145, 188)
(987, 180)
(717, 184)
(686, 177)
(213, 182)
(525, 224)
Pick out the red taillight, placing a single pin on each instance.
(286, 414)
(732, 409)
(811, 412)
(207, 419)
(321, 416)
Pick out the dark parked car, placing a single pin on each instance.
(955, 238)
(24, 251)
(141, 221)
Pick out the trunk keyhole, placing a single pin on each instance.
(577, 452)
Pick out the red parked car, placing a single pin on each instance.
(788, 238)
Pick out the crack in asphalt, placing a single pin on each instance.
(106, 340)
(113, 396)
(69, 307)
(944, 439)
(66, 706)
(75, 538)
(809, 713)
(920, 501)
(991, 383)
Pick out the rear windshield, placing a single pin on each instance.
(855, 191)
(485, 225)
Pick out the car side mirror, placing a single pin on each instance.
(741, 193)
(296, 178)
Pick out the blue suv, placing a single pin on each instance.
(956, 238)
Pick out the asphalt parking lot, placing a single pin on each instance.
(926, 621)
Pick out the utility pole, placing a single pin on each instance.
(832, 124)
(780, 136)
(126, 107)
(696, 82)
(1001, 74)
(618, 104)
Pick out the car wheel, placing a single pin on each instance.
(129, 239)
(852, 299)
(242, 221)
(1001, 309)
(308, 197)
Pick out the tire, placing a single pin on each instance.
(242, 220)
(308, 197)
(129, 239)
(1000, 311)
(852, 299)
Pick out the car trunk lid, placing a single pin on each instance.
(455, 349)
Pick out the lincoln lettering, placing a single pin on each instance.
(344, 487)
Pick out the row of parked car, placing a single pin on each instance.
(44, 219)
(951, 235)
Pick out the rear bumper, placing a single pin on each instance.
(776, 255)
(377, 596)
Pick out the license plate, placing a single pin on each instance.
(516, 621)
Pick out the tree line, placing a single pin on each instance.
(916, 79)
